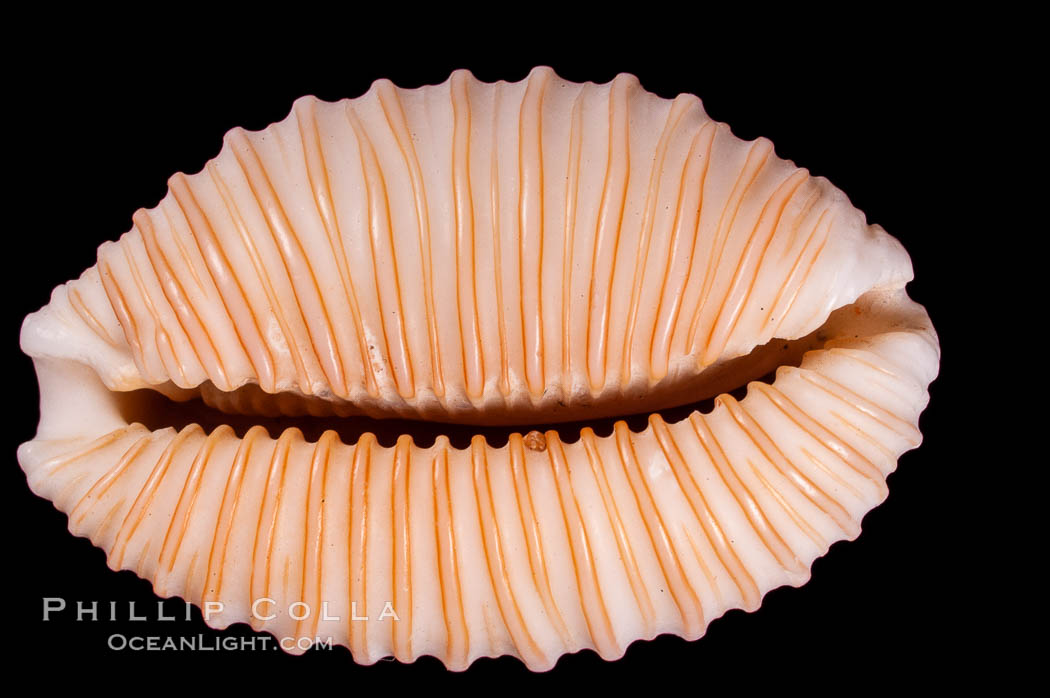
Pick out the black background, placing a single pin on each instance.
(97, 137)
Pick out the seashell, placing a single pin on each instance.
(484, 254)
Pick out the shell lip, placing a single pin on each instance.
(674, 384)
(164, 407)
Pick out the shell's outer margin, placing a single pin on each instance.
(537, 548)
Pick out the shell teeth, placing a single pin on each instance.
(474, 252)
(535, 549)
(483, 253)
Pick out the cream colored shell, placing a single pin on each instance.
(538, 251)
(484, 253)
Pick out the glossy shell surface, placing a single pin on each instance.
(484, 253)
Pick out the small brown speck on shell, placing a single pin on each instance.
(535, 441)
